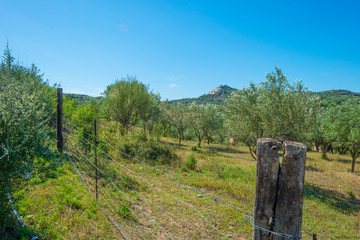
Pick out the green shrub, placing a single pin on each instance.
(147, 150)
(191, 162)
(194, 148)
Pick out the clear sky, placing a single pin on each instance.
(185, 48)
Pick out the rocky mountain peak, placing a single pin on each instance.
(217, 90)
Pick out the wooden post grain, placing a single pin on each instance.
(267, 172)
(279, 190)
(59, 137)
(289, 204)
(96, 166)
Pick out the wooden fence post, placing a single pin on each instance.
(267, 172)
(59, 137)
(289, 203)
(279, 189)
(96, 165)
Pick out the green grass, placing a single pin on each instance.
(63, 209)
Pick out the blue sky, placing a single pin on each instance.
(185, 48)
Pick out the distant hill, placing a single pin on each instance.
(82, 98)
(336, 93)
(220, 94)
(335, 97)
(215, 96)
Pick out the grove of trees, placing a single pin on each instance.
(275, 108)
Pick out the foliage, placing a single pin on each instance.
(83, 99)
(204, 120)
(275, 108)
(177, 116)
(147, 150)
(194, 148)
(25, 110)
(126, 101)
(191, 162)
(342, 127)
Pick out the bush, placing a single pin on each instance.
(147, 150)
(191, 162)
(194, 148)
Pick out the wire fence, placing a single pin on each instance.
(152, 206)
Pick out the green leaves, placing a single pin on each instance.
(25, 111)
(128, 100)
(275, 108)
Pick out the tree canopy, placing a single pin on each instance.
(275, 108)
(126, 101)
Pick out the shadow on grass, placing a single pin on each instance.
(314, 169)
(347, 161)
(224, 150)
(344, 204)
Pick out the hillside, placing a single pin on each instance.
(220, 94)
(82, 98)
(215, 96)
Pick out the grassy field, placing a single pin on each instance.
(62, 208)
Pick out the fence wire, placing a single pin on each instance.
(72, 128)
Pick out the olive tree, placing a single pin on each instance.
(342, 127)
(196, 121)
(176, 115)
(274, 108)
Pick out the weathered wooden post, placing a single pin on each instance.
(279, 189)
(290, 192)
(96, 166)
(267, 173)
(59, 137)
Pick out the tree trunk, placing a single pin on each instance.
(252, 152)
(317, 146)
(354, 155)
(179, 136)
(199, 144)
(324, 147)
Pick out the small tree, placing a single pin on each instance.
(196, 121)
(176, 115)
(150, 109)
(213, 120)
(125, 101)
